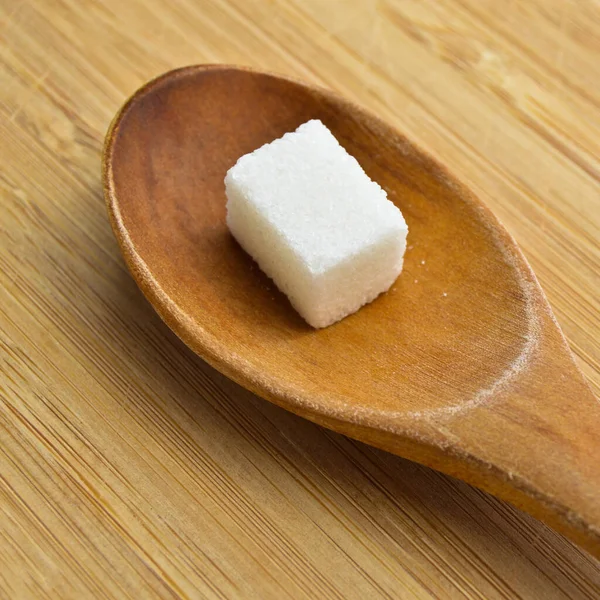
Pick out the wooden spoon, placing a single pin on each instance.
(460, 366)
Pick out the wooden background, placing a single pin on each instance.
(131, 469)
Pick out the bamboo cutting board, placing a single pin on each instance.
(131, 469)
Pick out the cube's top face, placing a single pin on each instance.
(317, 196)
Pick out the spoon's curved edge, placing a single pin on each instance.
(425, 442)
(212, 350)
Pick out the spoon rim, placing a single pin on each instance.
(217, 354)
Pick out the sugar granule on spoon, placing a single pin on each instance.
(315, 223)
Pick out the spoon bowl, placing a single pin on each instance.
(460, 366)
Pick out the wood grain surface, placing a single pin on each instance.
(128, 467)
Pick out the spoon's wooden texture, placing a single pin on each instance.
(460, 366)
(131, 469)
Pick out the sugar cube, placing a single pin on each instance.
(315, 223)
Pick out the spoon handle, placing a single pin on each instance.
(543, 449)
(536, 444)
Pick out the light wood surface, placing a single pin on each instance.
(128, 467)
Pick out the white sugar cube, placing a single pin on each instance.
(315, 223)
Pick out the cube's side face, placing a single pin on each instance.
(269, 249)
(321, 298)
(359, 279)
